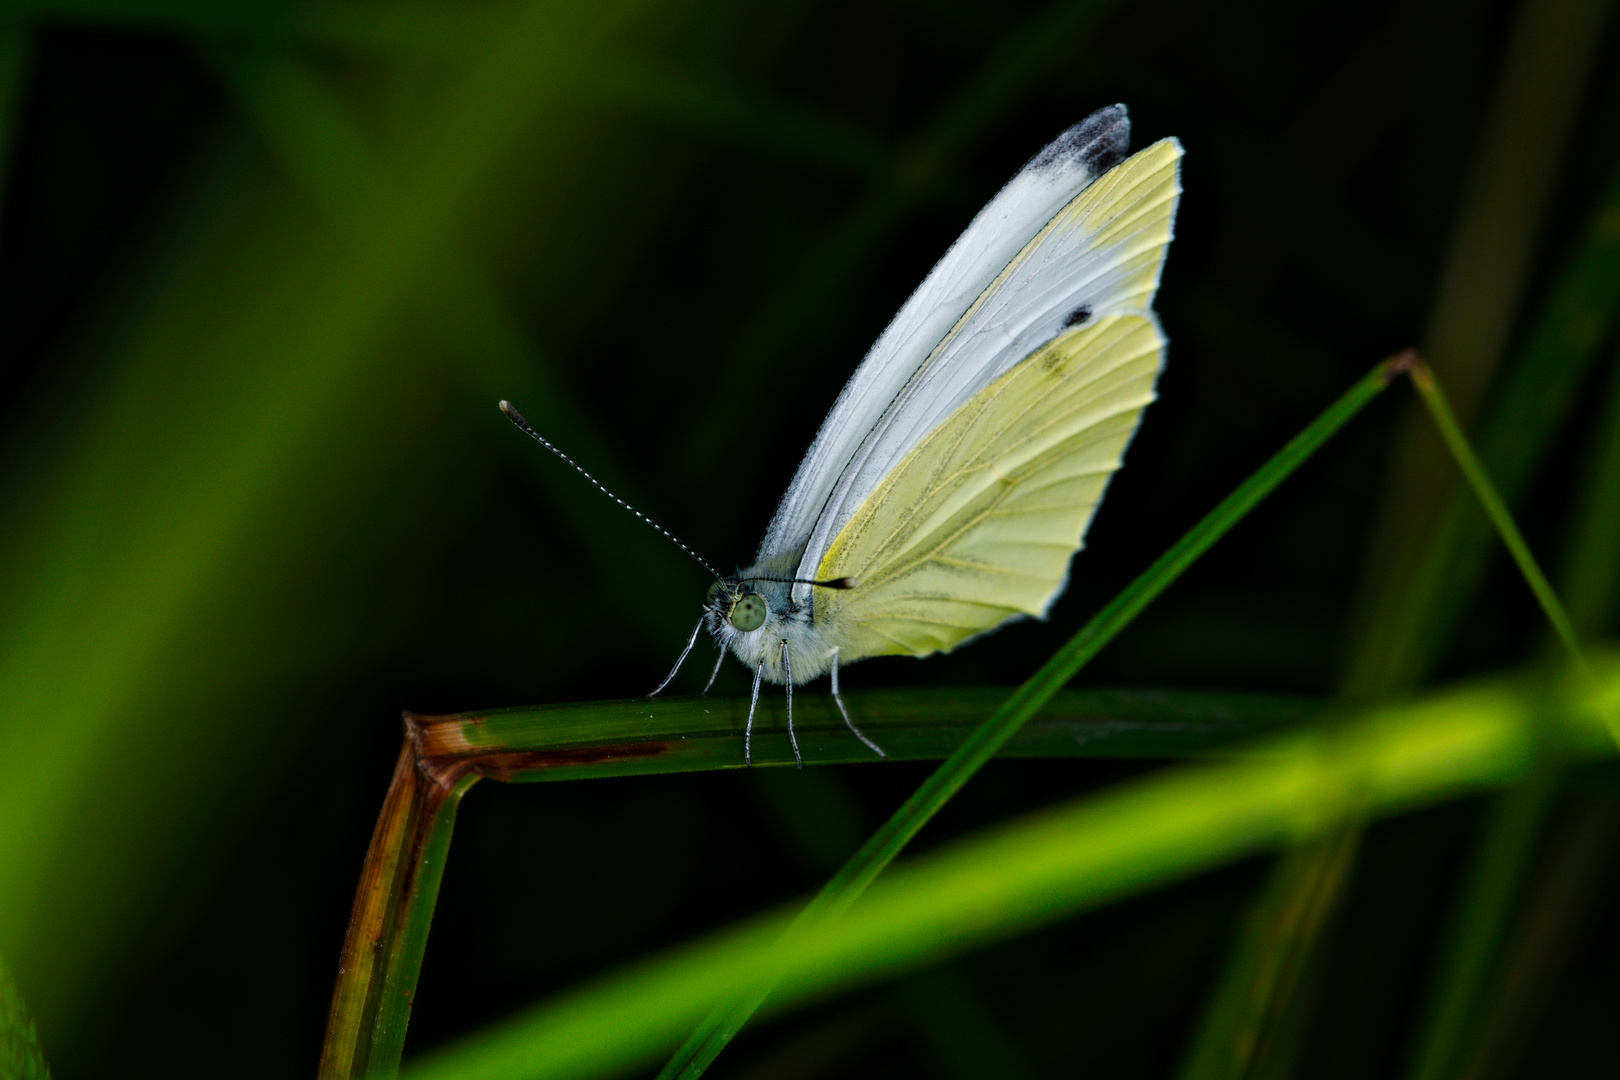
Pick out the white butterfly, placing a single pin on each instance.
(958, 471)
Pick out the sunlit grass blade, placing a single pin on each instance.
(1018, 877)
(945, 1008)
(21, 1056)
(720, 1027)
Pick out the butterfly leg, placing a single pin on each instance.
(874, 747)
(748, 732)
(787, 669)
(691, 641)
(715, 674)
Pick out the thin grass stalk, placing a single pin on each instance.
(1536, 400)
(1440, 409)
(1510, 838)
(717, 1030)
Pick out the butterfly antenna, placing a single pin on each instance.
(517, 418)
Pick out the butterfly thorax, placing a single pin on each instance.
(752, 613)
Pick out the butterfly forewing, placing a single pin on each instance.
(1100, 254)
(993, 239)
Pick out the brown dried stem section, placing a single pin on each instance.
(399, 883)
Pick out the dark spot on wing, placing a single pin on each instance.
(1099, 142)
(1078, 316)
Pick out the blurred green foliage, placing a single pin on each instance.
(268, 267)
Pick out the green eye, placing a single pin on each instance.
(749, 612)
(714, 590)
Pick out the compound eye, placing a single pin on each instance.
(749, 612)
(714, 591)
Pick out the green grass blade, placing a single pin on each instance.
(719, 1028)
(21, 1057)
(1017, 877)
(643, 736)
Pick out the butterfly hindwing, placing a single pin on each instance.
(978, 523)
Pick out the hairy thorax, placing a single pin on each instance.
(753, 614)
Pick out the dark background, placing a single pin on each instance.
(685, 290)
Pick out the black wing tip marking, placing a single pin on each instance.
(1100, 142)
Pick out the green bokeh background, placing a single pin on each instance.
(267, 269)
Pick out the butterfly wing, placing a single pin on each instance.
(1099, 255)
(979, 521)
(993, 240)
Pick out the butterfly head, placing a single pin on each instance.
(737, 604)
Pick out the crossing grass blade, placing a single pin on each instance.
(711, 1037)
